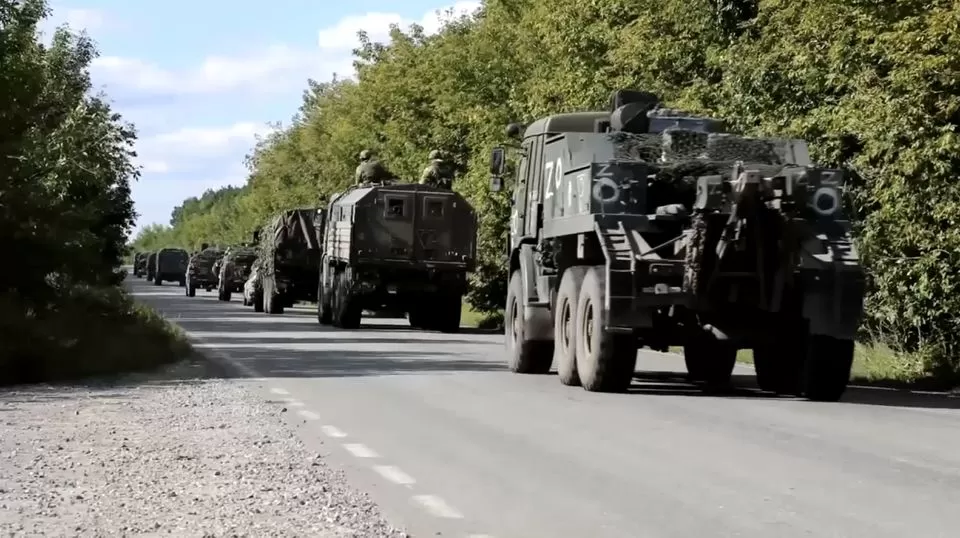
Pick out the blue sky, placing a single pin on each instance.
(200, 79)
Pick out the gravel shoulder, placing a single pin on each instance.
(178, 452)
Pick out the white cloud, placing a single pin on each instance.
(166, 152)
(78, 19)
(276, 68)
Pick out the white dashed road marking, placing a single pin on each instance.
(294, 403)
(360, 450)
(394, 474)
(437, 506)
(281, 392)
(309, 415)
(332, 431)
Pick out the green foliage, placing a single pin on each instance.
(65, 171)
(872, 85)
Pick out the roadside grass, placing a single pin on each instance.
(480, 320)
(89, 332)
(877, 365)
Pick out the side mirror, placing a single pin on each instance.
(498, 161)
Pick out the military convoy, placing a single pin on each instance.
(398, 247)
(140, 264)
(644, 226)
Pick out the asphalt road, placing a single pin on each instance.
(450, 443)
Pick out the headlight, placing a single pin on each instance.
(825, 201)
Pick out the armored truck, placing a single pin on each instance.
(400, 247)
(200, 269)
(171, 266)
(234, 270)
(151, 265)
(289, 256)
(646, 226)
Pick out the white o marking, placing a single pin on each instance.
(828, 193)
(598, 190)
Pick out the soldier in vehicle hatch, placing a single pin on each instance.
(439, 173)
(371, 170)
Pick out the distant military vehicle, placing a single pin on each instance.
(140, 264)
(234, 270)
(289, 256)
(648, 226)
(400, 247)
(151, 265)
(171, 266)
(200, 269)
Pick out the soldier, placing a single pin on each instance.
(371, 170)
(439, 173)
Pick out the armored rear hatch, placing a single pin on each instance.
(586, 176)
(404, 224)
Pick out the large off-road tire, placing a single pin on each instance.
(565, 325)
(258, 300)
(449, 309)
(709, 361)
(605, 361)
(191, 290)
(827, 371)
(523, 356)
(324, 314)
(182, 282)
(157, 281)
(347, 314)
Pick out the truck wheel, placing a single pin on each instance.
(324, 315)
(273, 303)
(191, 290)
(258, 300)
(828, 365)
(779, 368)
(415, 317)
(157, 281)
(709, 360)
(524, 356)
(346, 313)
(605, 361)
(182, 282)
(448, 315)
(565, 323)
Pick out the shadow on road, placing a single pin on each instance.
(745, 386)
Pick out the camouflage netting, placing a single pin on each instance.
(290, 230)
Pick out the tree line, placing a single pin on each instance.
(873, 87)
(66, 163)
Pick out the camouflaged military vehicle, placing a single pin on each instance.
(171, 266)
(150, 269)
(200, 269)
(400, 247)
(140, 264)
(289, 255)
(234, 269)
(648, 226)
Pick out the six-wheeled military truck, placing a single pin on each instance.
(151, 265)
(200, 269)
(289, 256)
(642, 225)
(171, 266)
(399, 247)
(234, 270)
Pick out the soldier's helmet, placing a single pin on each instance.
(436, 154)
(365, 155)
